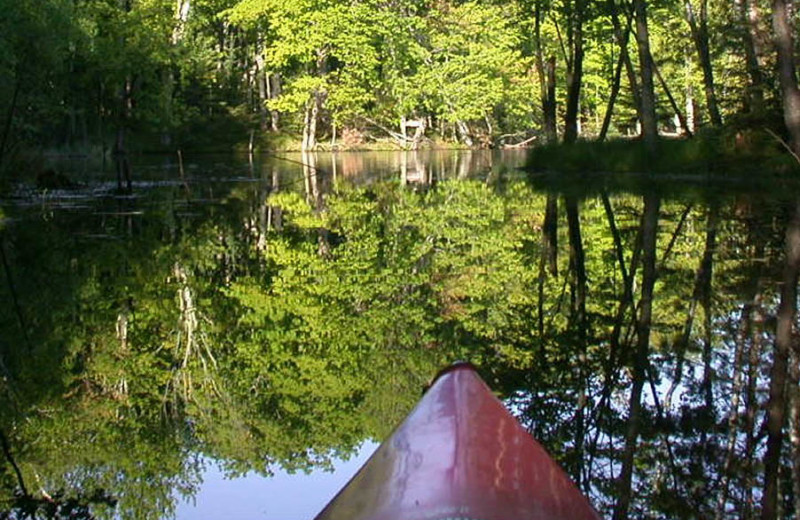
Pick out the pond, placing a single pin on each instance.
(234, 336)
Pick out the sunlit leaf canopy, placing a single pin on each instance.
(207, 73)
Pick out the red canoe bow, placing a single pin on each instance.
(460, 455)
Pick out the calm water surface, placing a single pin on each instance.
(218, 336)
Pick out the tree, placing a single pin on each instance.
(787, 71)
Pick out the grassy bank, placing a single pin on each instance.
(724, 153)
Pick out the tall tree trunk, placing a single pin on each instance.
(274, 89)
(547, 79)
(748, 17)
(623, 60)
(641, 355)
(784, 44)
(262, 81)
(9, 122)
(630, 70)
(776, 406)
(699, 30)
(550, 126)
(648, 99)
(574, 75)
(463, 131)
(181, 16)
(310, 124)
(672, 102)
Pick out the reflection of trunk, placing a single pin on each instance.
(577, 260)
(550, 233)
(699, 30)
(784, 43)
(549, 254)
(776, 407)
(610, 364)
(700, 294)
(648, 100)
(275, 217)
(794, 421)
(744, 333)
(640, 361)
(313, 182)
(752, 404)
(745, 373)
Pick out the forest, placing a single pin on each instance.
(119, 76)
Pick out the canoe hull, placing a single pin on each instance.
(459, 455)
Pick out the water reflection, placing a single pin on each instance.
(272, 315)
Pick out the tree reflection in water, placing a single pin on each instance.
(643, 337)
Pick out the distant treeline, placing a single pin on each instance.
(78, 74)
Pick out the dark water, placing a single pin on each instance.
(251, 320)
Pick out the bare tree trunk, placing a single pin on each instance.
(574, 75)
(672, 102)
(784, 44)
(262, 81)
(776, 406)
(12, 108)
(612, 99)
(623, 60)
(700, 37)
(748, 18)
(463, 131)
(311, 119)
(630, 71)
(641, 356)
(547, 80)
(274, 88)
(648, 99)
(182, 8)
(550, 105)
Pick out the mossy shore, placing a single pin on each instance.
(738, 154)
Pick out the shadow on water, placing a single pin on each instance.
(275, 313)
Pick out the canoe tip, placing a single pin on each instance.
(456, 365)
